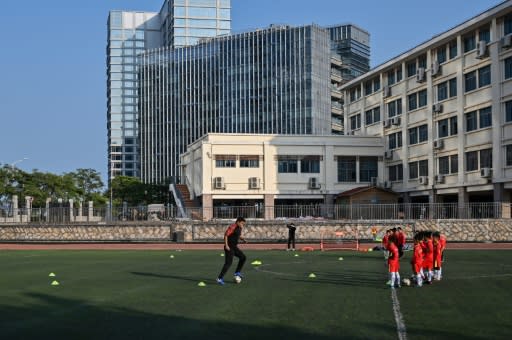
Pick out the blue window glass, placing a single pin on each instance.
(442, 91)
(453, 87)
(422, 133)
(413, 136)
(367, 168)
(287, 166)
(422, 98)
(469, 43)
(470, 81)
(508, 111)
(508, 68)
(412, 101)
(179, 11)
(310, 166)
(453, 49)
(471, 121)
(441, 54)
(485, 117)
(346, 169)
(484, 76)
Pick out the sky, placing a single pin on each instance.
(53, 73)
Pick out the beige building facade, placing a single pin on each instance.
(444, 110)
(269, 170)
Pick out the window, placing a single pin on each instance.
(355, 94)
(395, 108)
(486, 158)
(413, 136)
(418, 134)
(484, 34)
(479, 119)
(411, 68)
(507, 24)
(508, 111)
(310, 165)
(346, 169)
(355, 122)
(249, 162)
(391, 77)
(287, 165)
(395, 140)
(471, 121)
(413, 170)
(372, 116)
(485, 117)
(396, 172)
(423, 167)
(484, 78)
(412, 103)
(441, 54)
(469, 42)
(423, 133)
(447, 127)
(371, 86)
(470, 81)
(448, 164)
(472, 161)
(508, 68)
(509, 155)
(367, 168)
(452, 86)
(225, 161)
(452, 48)
(417, 100)
(447, 89)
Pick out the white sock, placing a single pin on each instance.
(397, 278)
(392, 278)
(419, 279)
(429, 275)
(439, 272)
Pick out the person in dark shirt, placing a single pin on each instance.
(231, 237)
(291, 236)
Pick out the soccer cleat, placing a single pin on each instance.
(220, 281)
(238, 274)
(389, 283)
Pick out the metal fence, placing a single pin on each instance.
(414, 211)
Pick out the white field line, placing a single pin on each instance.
(259, 268)
(399, 319)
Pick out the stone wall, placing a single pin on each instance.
(271, 231)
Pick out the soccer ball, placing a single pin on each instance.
(406, 282)
(238, 279)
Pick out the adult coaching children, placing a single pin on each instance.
(291, 236)
(231, 237)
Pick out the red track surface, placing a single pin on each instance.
(214, 246)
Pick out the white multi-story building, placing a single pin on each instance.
(278, 170)
(444, 109)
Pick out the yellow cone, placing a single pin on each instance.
(201, 284)
(312, 275)
(172, 256)
(256, 263)
(340, 258)
(52, 274)
(55, 283)
(222, 254)
(296, 255)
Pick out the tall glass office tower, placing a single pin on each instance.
(277, 80)
(179, 23)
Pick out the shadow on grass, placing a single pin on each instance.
(52, 317)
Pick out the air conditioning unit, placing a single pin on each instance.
(386, 91)
(438, 144)
(386, 123)
(420, 75)
(437, 108)
(439, 178)
(435, 69)
(254, 183)
(395, 121)
(486, 172)
(313, 183)
(481, 50)
(387, 184)
(507, 41)
(423, 180)
(373, 181)
(218, 183)
(388, 154)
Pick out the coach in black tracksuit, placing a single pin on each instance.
(291, 236)
(231, 237)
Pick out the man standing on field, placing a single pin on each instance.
(231, 237)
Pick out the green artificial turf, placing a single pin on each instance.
(149, 295)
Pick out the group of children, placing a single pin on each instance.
(426, 260)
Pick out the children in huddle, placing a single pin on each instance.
(417, 262)
(428, 259)
(439, 246)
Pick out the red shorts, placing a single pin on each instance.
(428, 264)
(416, 268)
(437, 261)
(394, 266)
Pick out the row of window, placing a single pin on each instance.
(448, 164)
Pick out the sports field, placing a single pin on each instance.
(150, 295)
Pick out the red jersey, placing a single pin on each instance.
(417, 258)
(442, 242)
(428, 260)
(393, 259)
(400, 239)
(385, 241)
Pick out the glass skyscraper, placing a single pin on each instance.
(279, 80)
(179, 23)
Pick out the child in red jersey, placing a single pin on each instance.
(393, 264)
(428, 258)
(417, 262)
(385, 241)
(400, 241)
(439, 246)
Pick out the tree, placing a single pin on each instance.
(88, 181)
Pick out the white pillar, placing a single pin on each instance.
(71, 211)
(28, 207)
(15, 208)
(89, 211)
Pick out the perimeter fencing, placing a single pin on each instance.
(406, 211)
